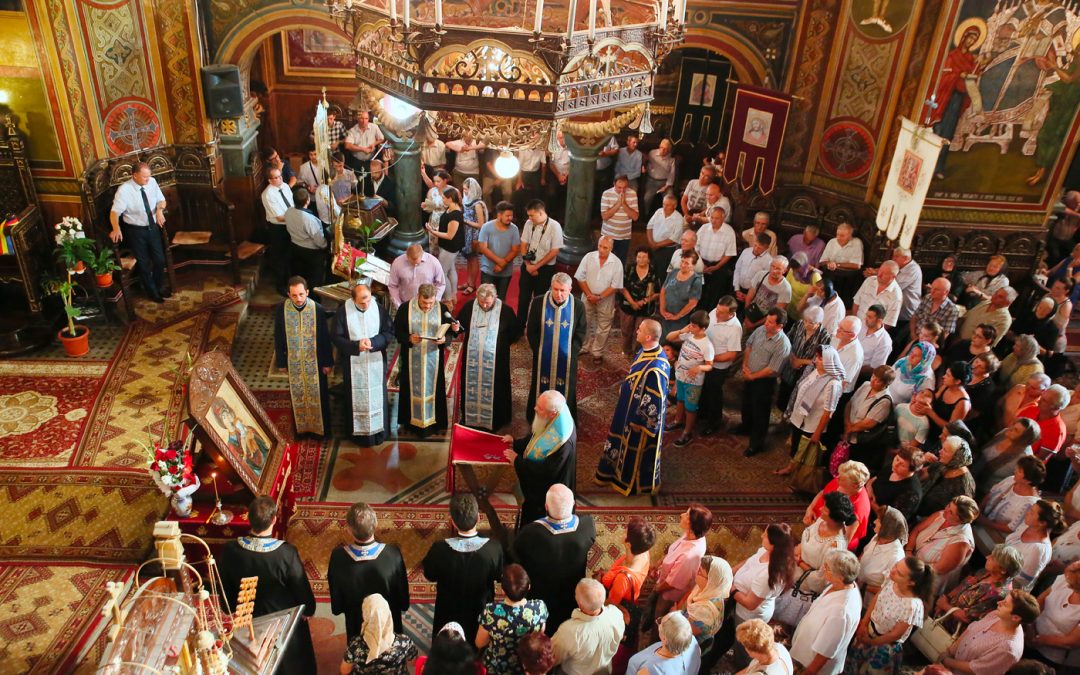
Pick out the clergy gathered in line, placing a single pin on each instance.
(362, 333)
(556, 329)
(302, 346)
(422, 375)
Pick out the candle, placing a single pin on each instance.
(406, 13)
(662, 19)
(571, 14)
(682, 11)
(393, 10)
(539, 21)
(213, 478)
(592, 20)
(438, 12)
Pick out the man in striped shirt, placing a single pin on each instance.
(618, 209)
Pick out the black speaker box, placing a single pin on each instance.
(222, 92)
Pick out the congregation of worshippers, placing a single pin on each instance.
(924, 412)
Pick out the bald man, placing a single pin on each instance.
(586, 642)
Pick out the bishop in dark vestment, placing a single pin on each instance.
(302, 346)
(490, 328)
(422, 375)
(362, 333)
(547, 456)
(464, 568)
(556, 330)
(367, 566)
(283, 583)
(554, 551)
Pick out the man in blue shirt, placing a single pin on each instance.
(498, 244)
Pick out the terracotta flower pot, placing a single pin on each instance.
(79, 268)
(104, 280)
(78, 345)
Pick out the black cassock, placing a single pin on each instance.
(347, 348)
(554, 554)
(501, 396)
(535, 477)
(533, 333)
(401, 334)
(324, 351)
(464, 570)
(357, 571)
(283, 584)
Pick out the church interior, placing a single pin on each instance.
(816, 113)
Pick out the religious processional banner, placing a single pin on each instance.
(912, 169)
(758, 123)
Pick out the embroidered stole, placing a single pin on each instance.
(560, 526)
(259, 544)
(553, 359)
(423, 365)
(366, 372)
(480, 366)
(552, 438)
(301, 333)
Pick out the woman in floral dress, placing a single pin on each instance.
(503, 623)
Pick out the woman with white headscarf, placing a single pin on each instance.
(475, 215)
(814, 401)
(703, 606)
(378, 650)
(1022, 363)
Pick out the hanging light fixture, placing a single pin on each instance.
(506, 165)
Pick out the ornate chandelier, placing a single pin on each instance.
(543, 60)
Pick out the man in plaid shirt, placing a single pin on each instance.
(935, 307)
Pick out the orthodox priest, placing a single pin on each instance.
(490, 328)
(556, 330)
(630, 462)
(422, 376)
(302, 346)
(362, 332)
(464, 568)
(547, 456)
(554, 551)
(283, 583)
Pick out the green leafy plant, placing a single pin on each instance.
(104, 262)
(72, 246)
(65, 288)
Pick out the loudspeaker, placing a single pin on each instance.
(222, 92)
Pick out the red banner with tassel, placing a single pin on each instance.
(758, 123)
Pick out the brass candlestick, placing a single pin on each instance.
(220, 516)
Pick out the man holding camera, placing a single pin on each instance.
(540, 244)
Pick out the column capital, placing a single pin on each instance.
(585, 148)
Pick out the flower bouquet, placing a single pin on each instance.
(172, 471)
(72, 247)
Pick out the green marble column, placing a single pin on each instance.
(580, 198)
(409, 193)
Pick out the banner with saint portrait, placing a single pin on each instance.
(910, 173)
(758, 122)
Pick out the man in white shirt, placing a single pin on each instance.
(618, 209)
(312, 172)
(716, 248)
(663, 232)
(276, 200)
(714, 197)
(880, 289)
(760, 226)
(660, 174)
(752, 260)
(585, 643)
(843, 256)
(693, 197)
(138, 215)
(363, 139)
(530, 179)
(910, 280)
(875, 340)
(850, 351)
(433, 155)
(466, 159)
(600, 276)
(308, 239)
(687, 243)
(725, 332)
(541, 240)
(558, 164)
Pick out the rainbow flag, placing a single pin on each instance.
(7, 246)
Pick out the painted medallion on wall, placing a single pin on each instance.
(1005, 95)
(130, 126)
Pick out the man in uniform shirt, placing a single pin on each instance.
(540, 243)
(309, 250)
(600, 275)
(464, 568)
(362, 141)
(276, 200)
(663, 232)
(363, 568)
(283, 582)
(141, 204)
(717, 248)
(877, 344)
(880, 289)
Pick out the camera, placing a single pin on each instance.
(529, 257)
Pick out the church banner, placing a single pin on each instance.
(758, 123)
(912, 169)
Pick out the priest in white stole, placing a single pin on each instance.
(362, 332)
(302, 347)
(422, 375)
(490, 328)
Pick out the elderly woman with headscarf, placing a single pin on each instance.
(815, 399)
(1022, 363)
(475, 215)
(703, 606)
(946, 476)
(914, 372)
(378, 650)
(806, 336)
(801, 276)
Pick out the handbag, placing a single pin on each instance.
(840, 454)
(808, 476)
(879, 432)
(933, 639)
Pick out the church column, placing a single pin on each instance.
(580, 198)
(408, 192)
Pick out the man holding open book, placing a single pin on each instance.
(420, 330)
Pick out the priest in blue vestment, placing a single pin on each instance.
(556, 330)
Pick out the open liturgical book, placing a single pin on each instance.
(439, 334)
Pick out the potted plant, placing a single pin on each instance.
(103, 265)
(76, 339)
(73, 249)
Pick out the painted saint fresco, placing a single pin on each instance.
(1006, 97)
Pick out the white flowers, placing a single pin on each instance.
(69, 228)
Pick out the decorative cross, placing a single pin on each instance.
(932, 105)
(132, 130)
